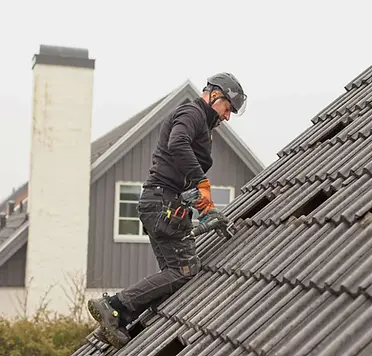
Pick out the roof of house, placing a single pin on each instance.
(296, 279)
(111, 147)
(102, 144)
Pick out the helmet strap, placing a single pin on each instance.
(210, 101)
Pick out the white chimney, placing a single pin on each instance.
(59, 184)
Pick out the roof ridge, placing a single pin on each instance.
(357, 81)
(138, 125)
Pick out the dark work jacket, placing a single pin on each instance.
(182, 156)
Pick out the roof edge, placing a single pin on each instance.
(365, 74)
(101, 164)
(13, 243)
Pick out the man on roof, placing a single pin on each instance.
(181, 161)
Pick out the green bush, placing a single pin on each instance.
(42, 336)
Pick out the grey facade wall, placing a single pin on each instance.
(12, 273)
(110, 264)
(228, 169)
(117, 265)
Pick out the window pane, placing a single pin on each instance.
(128, 210)
(143, 232)
(128, 227)
(221, 195)
(130, 192)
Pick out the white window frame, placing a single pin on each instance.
(126, 238)
(144, 238)
(228, 187)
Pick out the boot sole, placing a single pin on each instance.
(94, 312)
(113, 340)
(99, 336)
(107, 333)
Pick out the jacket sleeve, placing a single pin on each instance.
(184, 131)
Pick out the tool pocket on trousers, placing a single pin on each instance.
(155, 220)
(148, 213)
(165, 226)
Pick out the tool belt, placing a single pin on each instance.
(174, 212)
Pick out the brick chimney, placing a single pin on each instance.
(59, 184)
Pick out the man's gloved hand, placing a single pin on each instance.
(205, 203)
(212, 214)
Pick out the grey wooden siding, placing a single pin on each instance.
(110, 264)
(118, 265)
(12, 272)
(228, 169)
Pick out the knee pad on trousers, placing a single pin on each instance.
(191, 267)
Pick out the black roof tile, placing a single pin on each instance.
(296, 277)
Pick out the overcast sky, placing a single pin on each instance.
(293, 58)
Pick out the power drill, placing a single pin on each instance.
(205, 227)
(222, 228)
(188, 198)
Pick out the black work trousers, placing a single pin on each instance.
(177, 258)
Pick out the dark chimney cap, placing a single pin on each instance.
(68, 52)
(10, 207)
(63, 56)
(2, 220)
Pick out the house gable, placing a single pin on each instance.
(186, 92)
(140, 130)
(103, 143)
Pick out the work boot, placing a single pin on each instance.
(102, 311)
(100, 336)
